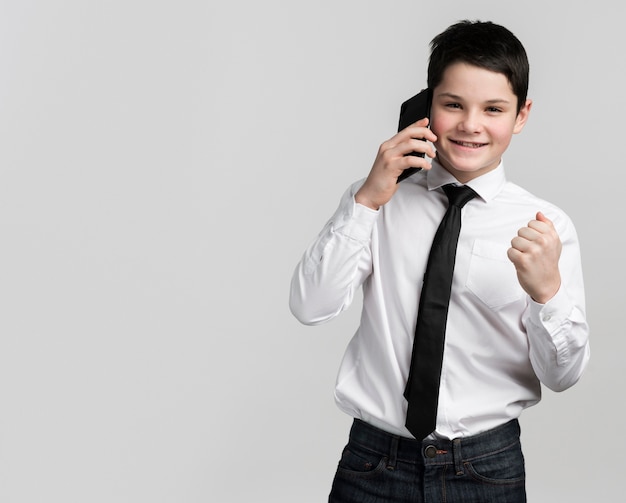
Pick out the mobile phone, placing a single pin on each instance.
(412, 110)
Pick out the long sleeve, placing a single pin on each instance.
(335, 265)
(558, 333)
(500, 345)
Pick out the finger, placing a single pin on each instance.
(520, 259)
(413, 161)
(412, 145)
(543, 223)
(422, 122)
(545, 228)
(514, 255)
(419, 131)
(521, 244)
(528, 233)
(391, 160)
(542, 218)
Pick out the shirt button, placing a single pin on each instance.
(430, 451)
(547, 317)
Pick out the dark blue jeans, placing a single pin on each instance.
(378, 467)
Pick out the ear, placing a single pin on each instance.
(522, 117)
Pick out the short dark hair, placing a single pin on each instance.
(483, 44)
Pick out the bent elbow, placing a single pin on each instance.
(301, 313)
(307, 314)
(568, 379)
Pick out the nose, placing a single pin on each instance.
(470, 122)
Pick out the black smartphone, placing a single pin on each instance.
(412, 110)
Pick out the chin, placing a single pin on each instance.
(460, 166)
(468, 170)
(467, 167)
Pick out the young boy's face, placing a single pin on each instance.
(474, 115)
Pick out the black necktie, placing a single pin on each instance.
(422, 388)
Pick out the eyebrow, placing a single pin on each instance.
(459, 98)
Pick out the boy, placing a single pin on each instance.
(515, 317)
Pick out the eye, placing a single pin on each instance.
(494, 110)
(453, 105)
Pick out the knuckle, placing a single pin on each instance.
(386, 156)
(385, 147)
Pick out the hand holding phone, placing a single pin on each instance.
(411, 111)
(379, 187)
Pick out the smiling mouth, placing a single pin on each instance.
(468, 144)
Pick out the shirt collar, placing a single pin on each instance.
(487, 186)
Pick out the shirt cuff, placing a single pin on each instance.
(358, 221)
(553, 313)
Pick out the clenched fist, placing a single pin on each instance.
(535, 253)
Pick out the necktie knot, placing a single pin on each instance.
(459, 195)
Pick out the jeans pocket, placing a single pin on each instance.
(505, 467)
(361, 463)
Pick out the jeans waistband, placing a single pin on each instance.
(435, 451)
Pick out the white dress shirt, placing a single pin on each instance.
(500, 344)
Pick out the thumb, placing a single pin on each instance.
(542, 218)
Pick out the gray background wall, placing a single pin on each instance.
(164, 164)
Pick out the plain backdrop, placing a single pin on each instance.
(164, 164)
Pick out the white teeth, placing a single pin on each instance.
(468, 144)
